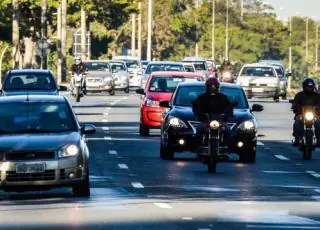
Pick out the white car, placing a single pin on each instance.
(260, 80)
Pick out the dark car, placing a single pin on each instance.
(179, 127)
(30, 81)
(42, 145)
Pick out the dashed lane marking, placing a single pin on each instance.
(282, 172)
(137, 185)
(260, 143)
(163, 205)
(314, 174)
(317, 190)
(281, 157)
(113, 152)
(123, 166)
(105, 120)
(186, 218)
(107, 138)
(105, 128)
(106, 114)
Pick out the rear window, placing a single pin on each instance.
(168, 84)
(258, 72)
(189, 68)
(164, 67)
(118, 66)
(98, 66)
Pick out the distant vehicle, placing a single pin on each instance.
(134, 68)
(260, 80)
(99, 77)
(157, 66)
(160, 86)
(30, 81)
(144, 64)
(189, 67)
(212, 68)
(199, 64)
(179, 131)
(42, 145)
(121, 75)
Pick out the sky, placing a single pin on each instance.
(287, 8)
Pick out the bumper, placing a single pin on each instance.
(98, 88)
(262, 92)
(121, 85)
(56, 174)
(152, 116)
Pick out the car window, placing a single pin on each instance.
(164, 67)
(187, 94)
(29, 81)
(98, 66)
(258, 72)
(189, 68)
(29, 117)
(132, 64)
(118, 67)
(168, 84)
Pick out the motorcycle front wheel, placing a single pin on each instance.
(78, 94)
(213, 147)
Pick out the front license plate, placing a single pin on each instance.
(30, 168)
(257, 90)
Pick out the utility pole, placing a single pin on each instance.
(133, 35)
(15, 34)
(213, 28)
(59, 67)
(290, 53)
(83, 34)
(64, 7)
(44, 33)
(241, 13)
(140, 31)
(197, 45)
(227, 31)
(149, 30)
(307, 45)
(317, 47)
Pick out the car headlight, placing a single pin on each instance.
(152, 103)
(309, 116)
(177, 123)
(68, 151)
(248, 125)
(214, 124)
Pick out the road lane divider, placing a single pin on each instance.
(107, 138)
(105, 128)
(137, 185)
(123, 166)
(317, 190)
(282, 172)
(105, 120)
(163, 205)
(281, 157)
(314, 174)
(260, 143)
(113, 152)
(186, 218)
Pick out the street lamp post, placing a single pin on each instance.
(213, 28)
(307, 45)
(227, 32)
(149, 30)
(133, 35)
(317, 48)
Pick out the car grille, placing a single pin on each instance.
(255, 84)
(25, 156)
(94, 80)
(48, 175)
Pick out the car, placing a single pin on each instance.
(160, 86)
(157, 66)
(189, 67)
(121, 75)
(179, 130)
(144, 64)
(30, 81)
(42, 145)
(99, 77)
(199, 64)
(134, 68)
(260, 80)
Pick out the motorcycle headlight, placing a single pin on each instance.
(214, 124)
(177, 123)
(152, 103)
(309, 116)
(68, 151)
(248, 125)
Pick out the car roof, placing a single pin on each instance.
(194, 58)
(176, 73)
(259, 65)
(30, 71)
(165, 62)
(202, 83)
(33, 98)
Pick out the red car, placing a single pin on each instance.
(159, 87)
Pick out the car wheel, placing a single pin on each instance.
(248, 155)
(127, 90)
(83, 189)
(284, 96)
(166, 153)
(143, 130)
(112, 92)
(276, 99)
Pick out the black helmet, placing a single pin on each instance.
(308, 85)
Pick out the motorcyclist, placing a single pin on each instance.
(307, 97)
(226, 67)
(79, 68)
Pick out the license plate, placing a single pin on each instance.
(30, 168)
(257, 90)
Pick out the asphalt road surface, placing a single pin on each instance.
(132, 188)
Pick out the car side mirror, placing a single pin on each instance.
(257, 108)
(140, 91)
(165, 104)
(88, 129)
(63, 88)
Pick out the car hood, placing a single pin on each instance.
(256, 80)
(39, 141)
(99, 74)
(155, 96)
(30, 92)
(121, 74)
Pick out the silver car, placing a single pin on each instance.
(260, 80)
(121, 75)
(99, 77)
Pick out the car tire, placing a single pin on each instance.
(276, 99)
(166, 153)
(112, 92)
(127, 90)
(144, 130)
(284, 96)
(248, 155)
(82, 189)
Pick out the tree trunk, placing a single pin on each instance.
(29, 52)
(15, 33)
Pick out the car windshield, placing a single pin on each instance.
(189, 68)
(168, 84)
(118, 67)
(187, 94)
(164, 67)
(29, 81)
(132, 64)
(97, 66)
(279, 70)
(30, 117)
(258, 72)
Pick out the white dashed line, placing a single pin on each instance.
(186, 218)
(313, 173)
(105, 120)
(123, 166)
(137, 185)
(107, 138)
(113, 152)
(105, 128)
(163, 205)
(281, 157)
(282, 172)
(317, 190)
(106, 114)
(112, 103)
(260, 143)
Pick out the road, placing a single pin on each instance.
(132, 188)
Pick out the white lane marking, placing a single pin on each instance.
(281, 157)
(186, 218)
(113, 152)
(106, 114)
(260, 143)
(137, 185)
(105, 120)
(105, 128)
(107, 138)
(163, 205)
(313, 173)
(112, 103)
(124, 98)
(282, 226)
(281, 172)
(317, 190)
(123, 166)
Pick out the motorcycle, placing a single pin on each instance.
(226, 76)
(77, 85)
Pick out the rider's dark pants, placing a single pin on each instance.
(298, 128)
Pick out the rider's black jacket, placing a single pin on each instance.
(78, 68)
(303, 99)
(216, 104)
